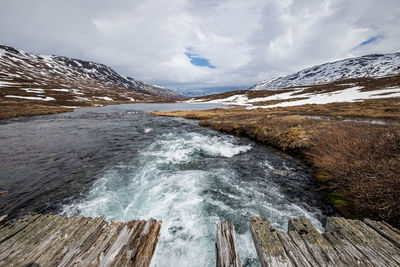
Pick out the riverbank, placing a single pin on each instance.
(14, 109)
(357, 165)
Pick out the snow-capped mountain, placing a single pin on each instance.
(358, 67)
(57, 72)
(370, 77)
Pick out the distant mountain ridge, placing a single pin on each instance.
(195, 92)
(65, 72)
(375, 65)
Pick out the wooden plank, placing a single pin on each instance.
(82, 241)
(295, 253)
(318, 247)
(30, 240)
(57, 245)
(26, 232)
(142, 250)
(68, 240)
(52, 240)
(347, 250)
(391, 227)
(387, 248)
(226, 246)
(13, 228)
(348, 231)
(385, 230)
(302, 248)
(45, 243)
(112, 254)
(268, 245)
(90, 257)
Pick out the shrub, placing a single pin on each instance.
(363, 162)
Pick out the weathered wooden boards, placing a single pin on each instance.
(227, 251)
(52, 240)
(345, 243)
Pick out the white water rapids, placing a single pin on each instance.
(186, 180)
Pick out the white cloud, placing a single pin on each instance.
(247, 41)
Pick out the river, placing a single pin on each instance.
(127, 164)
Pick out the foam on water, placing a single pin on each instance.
(176, 149)
(175, 179)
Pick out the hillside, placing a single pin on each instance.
(351, 80)
(359, 67)
(36, 84)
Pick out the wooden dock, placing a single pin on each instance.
(53, 240)
(345, 243)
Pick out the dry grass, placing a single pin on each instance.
(12, 110)
(385, 108)
(358, 164)
(286, 133)
(290, 133)
(362, 162)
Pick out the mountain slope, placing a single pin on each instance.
(358, 67)
(349, 80)
(35, 84)
(20, 69)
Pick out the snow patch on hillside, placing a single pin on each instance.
(350, 94)
(232, 100)
(33, 90)
(47, 98)
(4, 84)
(106, 98)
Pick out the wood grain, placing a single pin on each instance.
(227, 251)
(53, 240)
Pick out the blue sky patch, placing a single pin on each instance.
(197, 60)
(370, 40)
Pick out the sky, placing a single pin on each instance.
(203, 43)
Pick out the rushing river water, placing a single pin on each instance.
(127, 164)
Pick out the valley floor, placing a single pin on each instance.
(356, 163)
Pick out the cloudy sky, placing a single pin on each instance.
(203, 43)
